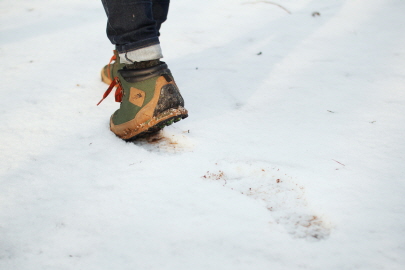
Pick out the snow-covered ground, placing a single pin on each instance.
(292, 156)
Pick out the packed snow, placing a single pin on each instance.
(293, 155)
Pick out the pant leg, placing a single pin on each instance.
(160, 10)
(132, 25)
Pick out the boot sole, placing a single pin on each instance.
(153, 125)
(158, 127)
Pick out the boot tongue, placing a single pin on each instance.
(143, 64)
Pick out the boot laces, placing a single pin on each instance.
(118, 91)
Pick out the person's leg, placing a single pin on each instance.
(145, 87)
(133, 27)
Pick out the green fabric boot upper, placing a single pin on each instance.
(128, 110)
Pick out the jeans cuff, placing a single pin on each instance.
(144, 54)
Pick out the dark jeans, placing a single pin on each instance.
(134, 24)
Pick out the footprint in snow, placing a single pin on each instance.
(281, 196)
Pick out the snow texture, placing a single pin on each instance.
(293, 156)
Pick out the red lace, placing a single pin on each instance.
(118, 92)
(114, 83)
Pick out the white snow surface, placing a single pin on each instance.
(292, 156)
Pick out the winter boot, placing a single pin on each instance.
(150, 99)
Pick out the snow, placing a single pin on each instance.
(292, 156)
